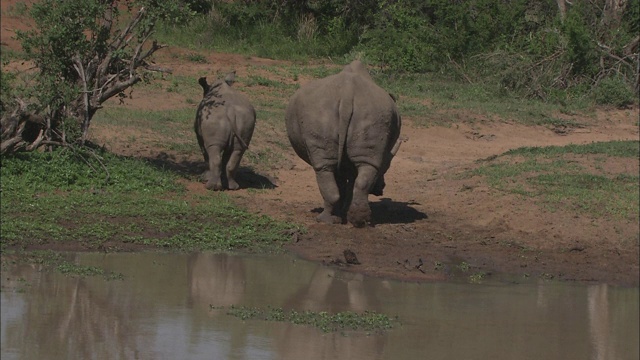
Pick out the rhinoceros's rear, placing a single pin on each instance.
(345, 126)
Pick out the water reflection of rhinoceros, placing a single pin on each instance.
(333, 292)
(216, 279)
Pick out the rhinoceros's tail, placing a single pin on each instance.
(345, 112)
(231, 116)
(196, 128)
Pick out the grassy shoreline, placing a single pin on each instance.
(98, 201)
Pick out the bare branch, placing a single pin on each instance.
(632, 46)
(95, 156)
(14, 125)
(562, 8)
(606, 50)
(36, 142)
(460, 69)
(117, 43)
(134, 59)
(56, 143)
(11, 144)
(77, 64)
(120, 42)
(154, 47)
(119, 87)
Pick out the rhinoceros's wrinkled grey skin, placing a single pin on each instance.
(346, 127)
(224, 125)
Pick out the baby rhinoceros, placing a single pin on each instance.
(347, 128)
(224, 126)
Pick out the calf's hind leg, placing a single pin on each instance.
(232, 167)
(215, 168)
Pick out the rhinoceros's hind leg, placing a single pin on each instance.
(327, 218)
(215, 171)
(232, 167)
(206, 175)
(359, 213)
(331, 195)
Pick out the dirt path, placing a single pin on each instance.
(427, 216)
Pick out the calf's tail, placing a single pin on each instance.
(231, 116)
(198, 131)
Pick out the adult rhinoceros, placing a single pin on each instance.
(224, 125)
(346, 127)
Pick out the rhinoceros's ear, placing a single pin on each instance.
(230, 78)
(203, 82)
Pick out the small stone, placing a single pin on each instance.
(351, 257)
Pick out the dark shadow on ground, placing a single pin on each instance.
(387, 211)
(194, 170)
(185, 168)
(249, 179)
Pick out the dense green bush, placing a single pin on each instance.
(199, 6)
(401, 38)
(287, 28)
(522, 47)
(6, 90)
(613, 91)
(518, 47)
(581, 51)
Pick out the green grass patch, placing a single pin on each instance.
(58, 199)
(173, 83)
(187, 148)
(369, 321)
(263, 81)
(264, 159)
(174, 125)
(274, 115)
(600, 195)
(552, 175)
(630, 149)
(321, 71)
(44, 174)
(197, 58)
(76, 270)
(147, 119)
(448, 98)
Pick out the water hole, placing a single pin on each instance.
(176, 306)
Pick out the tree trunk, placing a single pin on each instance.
(22, 130)
(562, 9)
(613, 11)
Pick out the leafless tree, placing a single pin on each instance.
(100, 76)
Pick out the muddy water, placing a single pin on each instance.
(161, 310)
